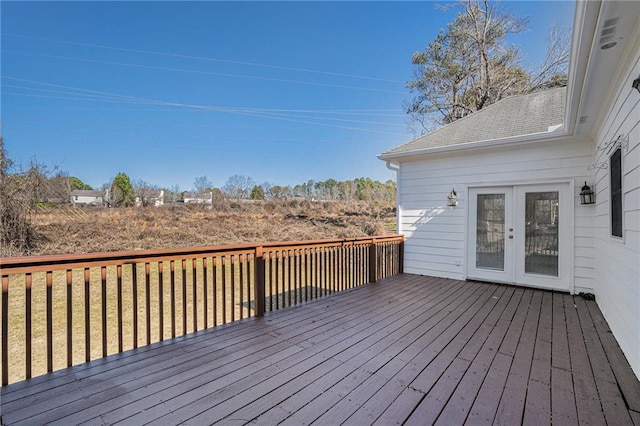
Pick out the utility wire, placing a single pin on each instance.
(203, 58)
(220, 74)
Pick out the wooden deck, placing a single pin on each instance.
(409, 349)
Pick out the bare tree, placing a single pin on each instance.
(17, 235)
(555, 65)
(201, 185)
(470, 65)
(146, 193)
(238, 187)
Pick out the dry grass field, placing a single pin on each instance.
(73, 230)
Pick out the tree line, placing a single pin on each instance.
(124, 192)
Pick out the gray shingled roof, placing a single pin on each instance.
(86, 193)
(513, 116)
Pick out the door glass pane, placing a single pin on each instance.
(490, 232)
(541, 236)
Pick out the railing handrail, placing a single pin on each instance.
(23, 264)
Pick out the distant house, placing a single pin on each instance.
(198, 198)
(501, 195)
(81, 197)
(155, 198)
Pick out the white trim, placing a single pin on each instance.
(514, 140)
(585, 20)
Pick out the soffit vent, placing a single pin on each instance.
(608, 34)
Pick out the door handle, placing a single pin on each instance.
(511, 237)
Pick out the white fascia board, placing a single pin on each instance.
(585, 21)
(558, 135)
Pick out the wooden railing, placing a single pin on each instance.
(59, 311)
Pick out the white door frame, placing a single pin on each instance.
(514, 272)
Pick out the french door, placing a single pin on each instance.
(521, 235)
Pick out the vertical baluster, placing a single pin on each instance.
(5, 330)
(307, 270)
(318, 271)
(300, 287)
(345, 267)
(349, 267)
(290, 273)
(49, 321)
(271, 278)
(194, 282)
(103, 278)
(214, 290)
(172, 267)
(147, 283)
(184, 296)
(119, 295)
(251, 287)
(335, 268)
(161, 301)
(277, 282)
(241, 284)
(69, 318)
(224, 289)
(296, 279)
(134, 290)
(87, 315)
(27, 325)
(323, 269)
(232, 260)
(262, 282)
(205, 296)
(327, 270)
(356, 264)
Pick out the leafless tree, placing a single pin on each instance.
(555, 65)
(470, 65)
(238, 187)
(201, 185)
(146, 193)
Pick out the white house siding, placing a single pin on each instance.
(86, 199)
(439, 248)
(617, 261)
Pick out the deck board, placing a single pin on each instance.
(407, 350)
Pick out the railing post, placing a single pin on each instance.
(5, 330)
(401, 257)
(373, 262)
(259, 281)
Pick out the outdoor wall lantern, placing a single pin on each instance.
(636, 84)
(586, 195)
(452, 199)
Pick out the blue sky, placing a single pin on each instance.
(282, 92)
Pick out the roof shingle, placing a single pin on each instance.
(514, 116)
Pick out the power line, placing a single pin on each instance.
(204, 58)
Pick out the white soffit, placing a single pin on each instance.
(614, 28)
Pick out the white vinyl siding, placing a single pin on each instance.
(617, 260)
(436, 233)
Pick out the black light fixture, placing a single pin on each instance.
(452, 199)
(586, 195)
(636, 84)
